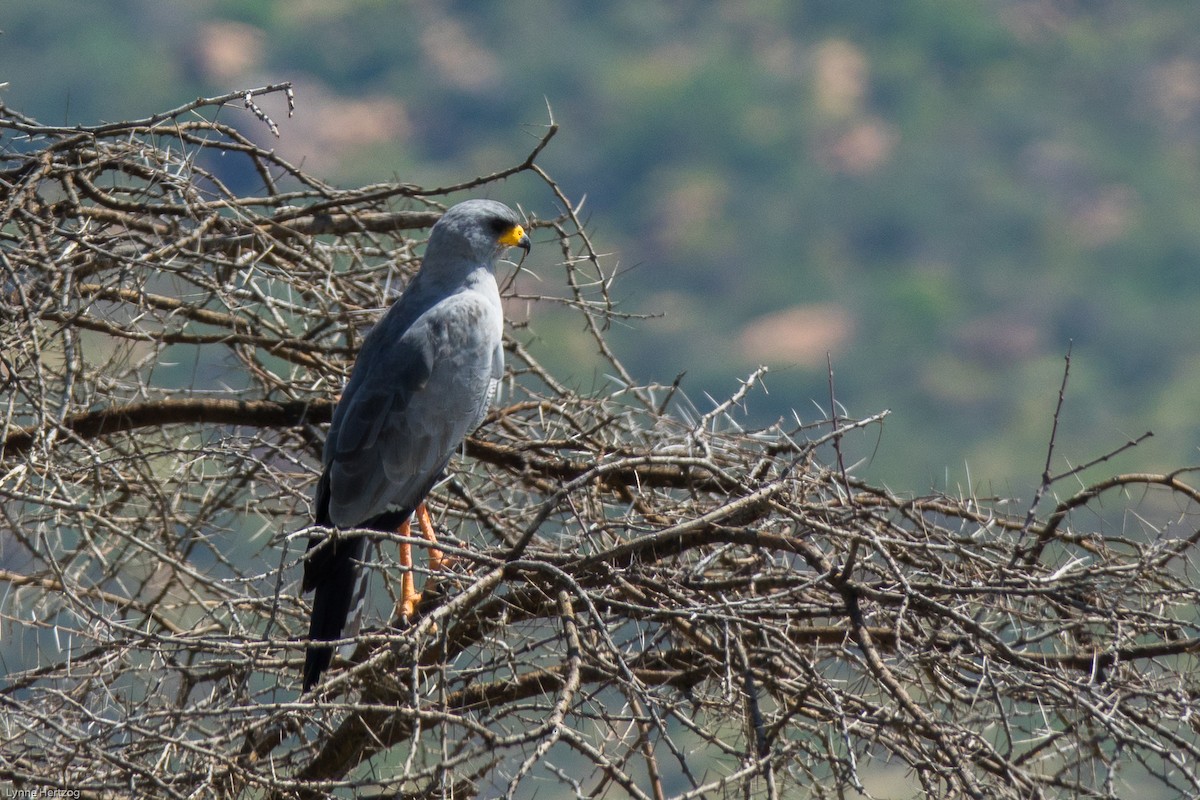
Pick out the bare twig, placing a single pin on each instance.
(630, 578)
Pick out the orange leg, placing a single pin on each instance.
(410, 598)
(437, 559)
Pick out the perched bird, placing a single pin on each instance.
(423, 380)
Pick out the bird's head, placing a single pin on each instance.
(480, 230)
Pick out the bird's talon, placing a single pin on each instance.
(408, 607)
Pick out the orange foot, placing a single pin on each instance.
(410, 598)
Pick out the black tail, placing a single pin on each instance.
(333, 572)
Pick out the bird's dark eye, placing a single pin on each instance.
(499, 225)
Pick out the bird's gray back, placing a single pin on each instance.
(422, 382)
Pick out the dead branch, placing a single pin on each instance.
(647, 599)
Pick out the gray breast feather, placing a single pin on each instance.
(493, 387)
(413, 397)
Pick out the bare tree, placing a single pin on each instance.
(647, 599)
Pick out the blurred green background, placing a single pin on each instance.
(940, 195)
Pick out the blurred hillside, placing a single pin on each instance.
(939, 195)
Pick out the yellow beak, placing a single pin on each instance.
(516, 237)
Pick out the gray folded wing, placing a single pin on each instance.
(415, 394)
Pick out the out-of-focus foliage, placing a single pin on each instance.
(941, 197)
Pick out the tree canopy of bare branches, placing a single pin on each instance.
(647, 599)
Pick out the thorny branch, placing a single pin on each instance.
(646, 599)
